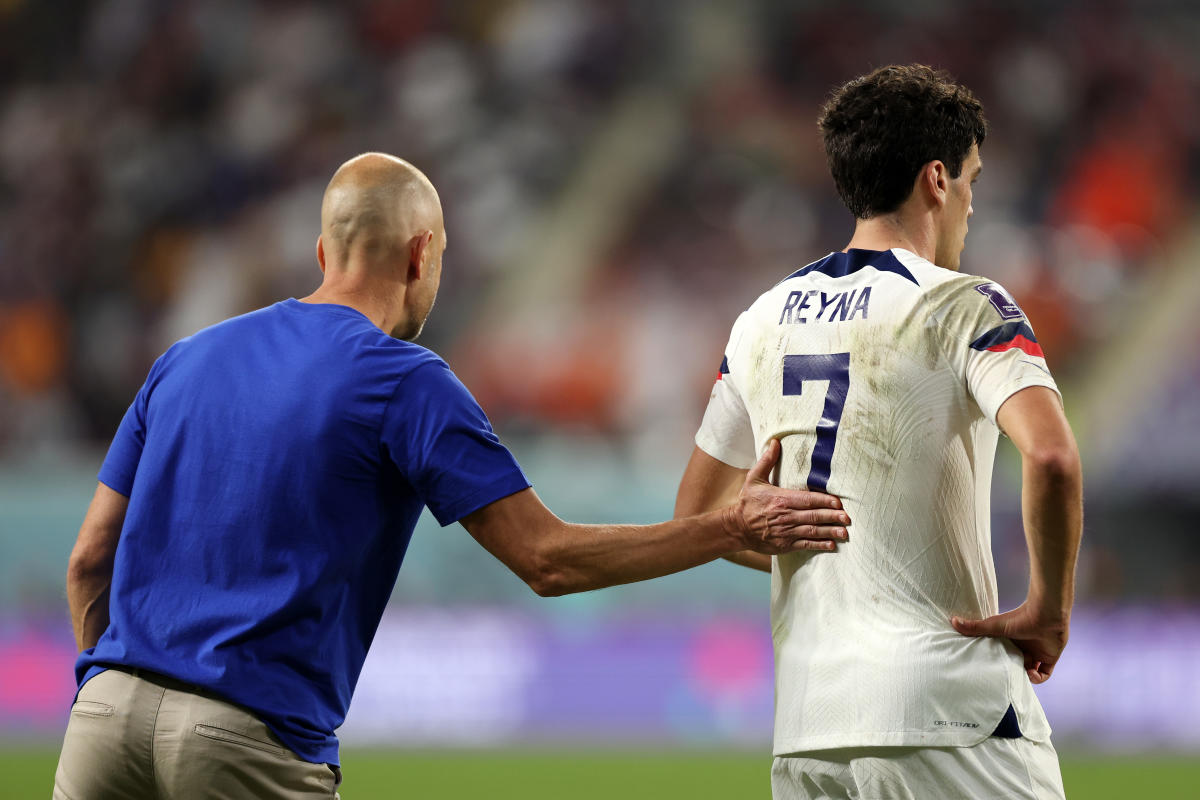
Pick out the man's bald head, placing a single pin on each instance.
(381, 243)
(374, 206)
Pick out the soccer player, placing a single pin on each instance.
(887, 375)
(256, 503)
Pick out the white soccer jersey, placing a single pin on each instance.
(881, 375)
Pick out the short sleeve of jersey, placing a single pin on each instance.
(726, 433)
(440, 439)
(125, 452)
(992, 344)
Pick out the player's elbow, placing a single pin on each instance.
(1056, 463)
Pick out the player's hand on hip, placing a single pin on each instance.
(1039, 638)
(773, 520)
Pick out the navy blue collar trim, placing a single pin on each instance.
(839, 265)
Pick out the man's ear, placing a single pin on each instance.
(321, 254)
(418, 258)
(935, 180)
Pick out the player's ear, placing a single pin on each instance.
(935, 179)
(419, 254)
(321, 254)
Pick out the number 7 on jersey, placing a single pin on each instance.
(834, 368)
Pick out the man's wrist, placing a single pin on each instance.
(734, 526)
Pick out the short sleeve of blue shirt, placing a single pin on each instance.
(440, 439)
(121, 463)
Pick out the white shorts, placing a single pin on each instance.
(994, 768)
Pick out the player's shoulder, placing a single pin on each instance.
(972, 299)
(943, 285)
(925, 273)
(940, 284)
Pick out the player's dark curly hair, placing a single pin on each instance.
(881, 128)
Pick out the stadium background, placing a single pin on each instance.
(620, 179)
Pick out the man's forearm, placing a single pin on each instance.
(584, 557)
(90, 569)
(555, 557)
(87, 596)
(1052, 506)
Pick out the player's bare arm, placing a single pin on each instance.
(555, 557)
(709, 483)
(1052, 508)
(89, 571)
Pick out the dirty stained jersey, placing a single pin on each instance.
(881, 374)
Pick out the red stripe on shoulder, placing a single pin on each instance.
(1021, 343)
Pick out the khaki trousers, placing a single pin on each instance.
(142, 735)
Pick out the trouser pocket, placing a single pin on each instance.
(244, 740)
(90, 708)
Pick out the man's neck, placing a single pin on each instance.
(360, 299)
(891, 230)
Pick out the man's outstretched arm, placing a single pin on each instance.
(89, 572)
(555, 557)
(1052, 509)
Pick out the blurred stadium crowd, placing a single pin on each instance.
(620, 179)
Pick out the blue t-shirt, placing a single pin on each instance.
(276, 464)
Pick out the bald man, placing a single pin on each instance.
(257, 501)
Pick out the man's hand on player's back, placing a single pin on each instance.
(555, 557)
(775, 520)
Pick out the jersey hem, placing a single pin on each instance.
(804, 744)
